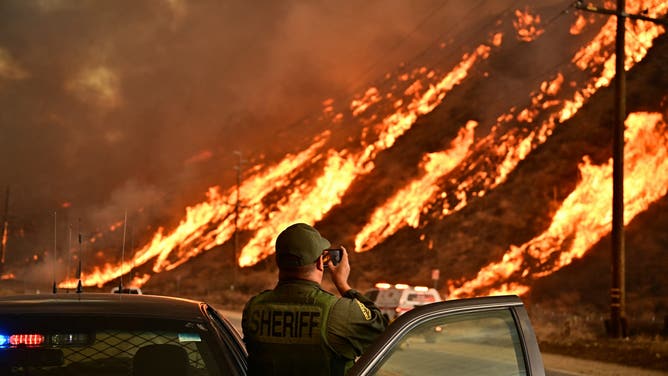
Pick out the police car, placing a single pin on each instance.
(116, 334)
(395, 300)
(127, 334)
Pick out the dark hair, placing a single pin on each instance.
(296, 272)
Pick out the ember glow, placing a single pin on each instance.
(527, 25)
(586, 214)
(5, 226)
(305, 186)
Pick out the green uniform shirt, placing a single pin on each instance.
(300, 329)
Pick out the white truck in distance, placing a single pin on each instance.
(394, 300)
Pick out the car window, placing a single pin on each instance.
(231, 338)
(421, 298)
(476, 343)
(105, 346)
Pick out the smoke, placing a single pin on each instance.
(139, 105)
(9, 68)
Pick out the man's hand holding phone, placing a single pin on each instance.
(333, 254)
(340, 270)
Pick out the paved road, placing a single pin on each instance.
(555, 365)
(558, 365)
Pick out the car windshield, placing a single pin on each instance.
(421, 298)
(42, 345)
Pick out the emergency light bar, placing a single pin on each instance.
(36, 339)
(26, 339)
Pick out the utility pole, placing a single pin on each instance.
(55, 245)
(237, 206)
(79, 283)
(618, 325)
(4, 235)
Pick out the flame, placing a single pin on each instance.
(305, 186)
(211, 223)
(202, 156)
(517, 143)
(313, 201)
(586, 214)
(115, 226)
(405, 206)
(579, 24)
(5, 227)
(8, 276)
(371, 97)
(489, 164)
(525, 25)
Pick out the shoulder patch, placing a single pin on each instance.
(365, 311)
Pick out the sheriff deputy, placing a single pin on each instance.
(300, 329)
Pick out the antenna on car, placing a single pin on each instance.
(120, 279)
(79, 284)
(55, 232)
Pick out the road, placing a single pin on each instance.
(555, 365)
(559, 365)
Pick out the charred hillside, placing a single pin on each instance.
(512, 214)
(523, 206)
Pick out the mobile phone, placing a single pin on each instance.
(333, 254)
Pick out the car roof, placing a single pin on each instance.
(130, 305)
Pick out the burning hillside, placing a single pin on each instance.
(432, 166)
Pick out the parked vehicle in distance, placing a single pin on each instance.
(395, 300)
(126, 290)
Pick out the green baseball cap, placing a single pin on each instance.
(299, 245)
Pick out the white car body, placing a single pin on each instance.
(395, 300)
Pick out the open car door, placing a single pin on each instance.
(479, 336)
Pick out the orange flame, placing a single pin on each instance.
(202, 156)
(405, 206)
(579, 25)
(5, 227)
(586, 214)
(360, 105)
(211, 223)
(525, 25)
(115, 226)
(515, 145)
(341, 168)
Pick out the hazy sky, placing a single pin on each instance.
(110, 104)
(120, 105)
